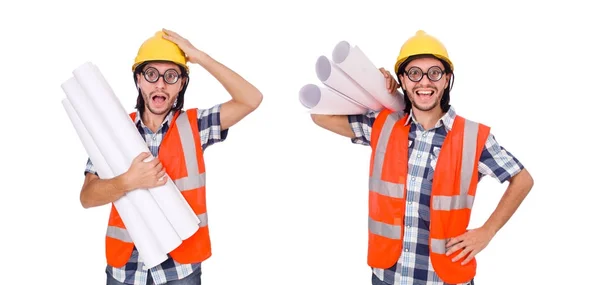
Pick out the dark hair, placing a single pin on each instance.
(140, 106)
(445, 101)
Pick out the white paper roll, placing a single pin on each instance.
(106, 141)
(146, 243)
(325, 101)
(171, 202)
(358, 66)
(333, 77)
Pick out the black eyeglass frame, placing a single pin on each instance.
(159, 75)
(420, 73)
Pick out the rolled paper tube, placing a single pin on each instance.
(360, 68)
(333, 77)
(168, 196)
(325, 101)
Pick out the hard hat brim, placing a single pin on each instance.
(438, 56)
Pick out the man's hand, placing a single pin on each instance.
(144, 174)
(192, 54)
(472, 242)
(390, 82)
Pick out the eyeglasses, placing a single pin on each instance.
(152, 75)
(415, 74)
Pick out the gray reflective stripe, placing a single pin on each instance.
(469, 151)
(376, 184)
(194, 179)
(438, 245)
(203, 220)
(468, 155)
(123, 235)
(386, 188)
(191, 182)
(447, 203)
(118, 233)
(385, 230)
(187, 143)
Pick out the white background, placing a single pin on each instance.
(288, 200)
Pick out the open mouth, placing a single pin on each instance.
(424, 92)
(159, 99)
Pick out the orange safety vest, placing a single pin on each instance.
(181, 155)
(453, 191)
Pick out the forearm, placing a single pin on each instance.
(335, 123)
(97, 192)
(514, 195)
(241, 91)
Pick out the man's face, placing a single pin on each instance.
(160, 95)
(426, 94)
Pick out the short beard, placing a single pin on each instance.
(421, 108)
(149, 99)
(158, 113)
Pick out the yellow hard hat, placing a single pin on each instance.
(158, 48)
(422, 43)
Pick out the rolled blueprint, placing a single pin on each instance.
(358, 66)
(169, 198)
(89, 113)
(326, 101)
(333, 77)
(145, 241)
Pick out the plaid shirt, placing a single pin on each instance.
(414, 265)
(135, 272)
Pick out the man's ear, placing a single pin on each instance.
(137, 81)
(401, 81)
(448, 77)
(183, 82)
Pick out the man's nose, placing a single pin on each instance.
(425, 80)
(160, 83)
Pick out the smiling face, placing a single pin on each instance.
(160, 83)
(426, 93)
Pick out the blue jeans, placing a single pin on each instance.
(376, 281)
(192, 279)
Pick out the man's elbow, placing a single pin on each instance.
(318, 119)
(255, 102)
(528, 178)
(525, 179)
(84, 201)
(530, 181)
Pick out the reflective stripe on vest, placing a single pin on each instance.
(384, 188)
(123, 235)
(464, 200)
(189, 152)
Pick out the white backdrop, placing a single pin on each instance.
(288, 200)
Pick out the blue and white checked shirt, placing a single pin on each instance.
(135, 272)
(414, 265)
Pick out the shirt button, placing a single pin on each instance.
(413, 179)
(418, 155)
(406, 249)
(408, 226)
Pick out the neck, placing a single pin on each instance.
(427, 119)
(153, 121)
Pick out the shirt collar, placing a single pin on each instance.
(446, 120)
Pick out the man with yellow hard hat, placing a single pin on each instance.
(178, 138)
(425, 164)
